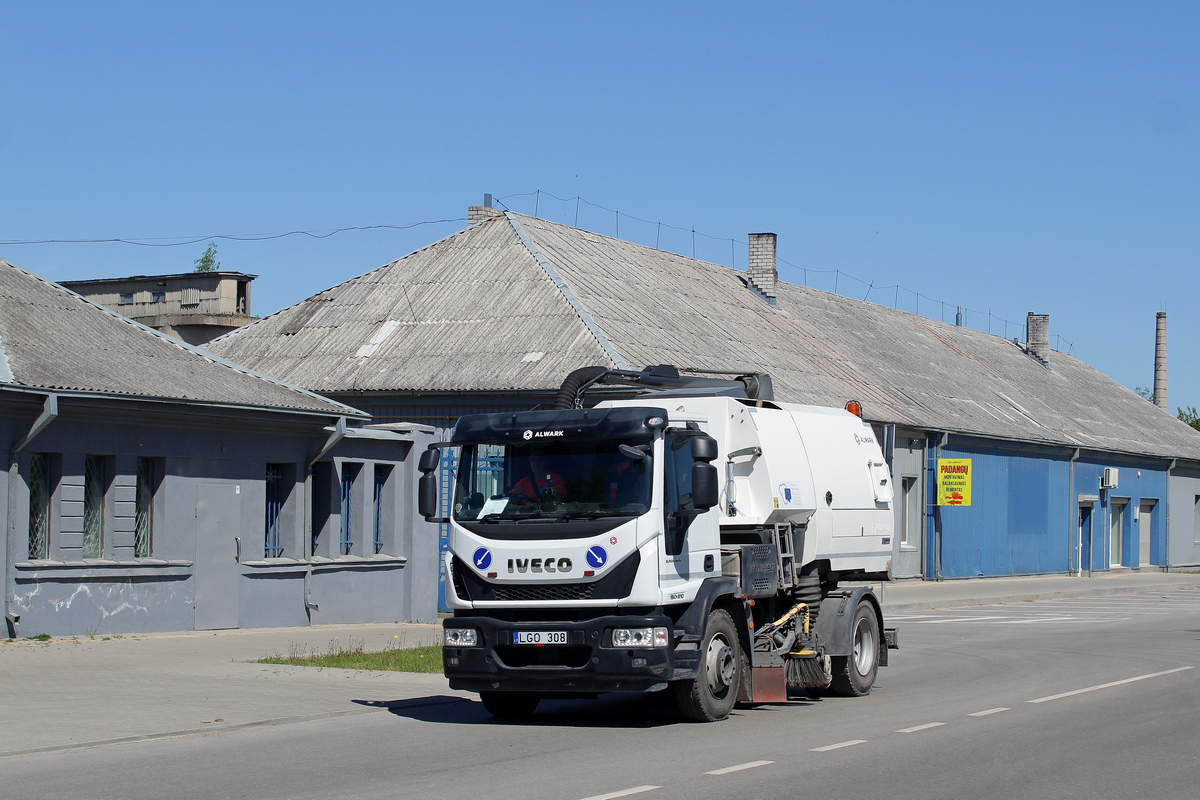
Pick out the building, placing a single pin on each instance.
(153, 486)
(493, 317)
(193, 306)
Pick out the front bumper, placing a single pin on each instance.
(588, 664)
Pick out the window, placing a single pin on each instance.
(1196, 523)
(382, 473)
(143, 516)
(910, 512)
(349, 473)
(158, 297)
(679, 473)
(40, 490)
(93, 507)
(125, 299)
(677, 480)
(322, 506)
(273, 547)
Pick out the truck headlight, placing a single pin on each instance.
(640, 637)
(462, 637)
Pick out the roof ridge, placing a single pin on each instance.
(351, 279)
(562, 286)
(171, 340)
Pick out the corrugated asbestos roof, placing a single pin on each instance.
(53, 339)
(477, 312)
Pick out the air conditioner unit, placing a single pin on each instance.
(1110, 477)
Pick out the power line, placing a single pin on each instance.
(181, 241)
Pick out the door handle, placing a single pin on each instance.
(238, 557)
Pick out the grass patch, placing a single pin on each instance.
(426, 658)
(41, 637)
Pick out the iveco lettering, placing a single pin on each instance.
(692, 538)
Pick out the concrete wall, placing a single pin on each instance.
(228, 452)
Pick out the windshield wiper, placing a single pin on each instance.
(595, 513)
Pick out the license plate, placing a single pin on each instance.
(539, 637)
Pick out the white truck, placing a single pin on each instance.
(690, 538)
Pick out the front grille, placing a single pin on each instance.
(574, 656)
(561, 591)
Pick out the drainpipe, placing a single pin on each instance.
(48, 415)
(49, 412)
(1074, 535)
(1167, 519)
(934, 524)
(339, 433)
(937, 564)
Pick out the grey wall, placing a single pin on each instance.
(119, 592)
(908, 463)
(1184, 545)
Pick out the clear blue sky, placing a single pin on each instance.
(1007, 157)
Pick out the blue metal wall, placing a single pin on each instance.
(1019, 519)
(1140, 481)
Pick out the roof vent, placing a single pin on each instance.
(763, 273)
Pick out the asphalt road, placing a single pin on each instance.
(1095, 698)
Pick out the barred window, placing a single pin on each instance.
(143, 531)
(379, 502)
(273, 547)
(349, 474)
(39, 506)
(93, 507)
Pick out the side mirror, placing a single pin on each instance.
(427, 494)
(429, 460)
(705, 485)
(704, 448)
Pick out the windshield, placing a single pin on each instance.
(568, 480)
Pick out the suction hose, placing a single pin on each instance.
(573, 383)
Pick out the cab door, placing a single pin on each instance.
(691, 540)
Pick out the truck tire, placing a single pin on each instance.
(510, 705)
(854, 675)
(709, 697)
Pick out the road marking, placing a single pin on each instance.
(924, 727)
(837, 746)
(739, 767)
(1039, 619)
(623, 793)
(952, 619)
(989, 711)
(1108, 685)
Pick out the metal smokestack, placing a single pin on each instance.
(1160, 362)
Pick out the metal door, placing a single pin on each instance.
(1085, 539)
(1116, 533)
(909, 504)
(1145, 515)
(216, 567)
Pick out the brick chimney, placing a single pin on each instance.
(480, 213)
(1160, 362)
(763, 274)
(1037, 328)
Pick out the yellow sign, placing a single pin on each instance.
(954, 482)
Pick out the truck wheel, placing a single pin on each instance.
(854, 675)
(710, 696)
(510, 705)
